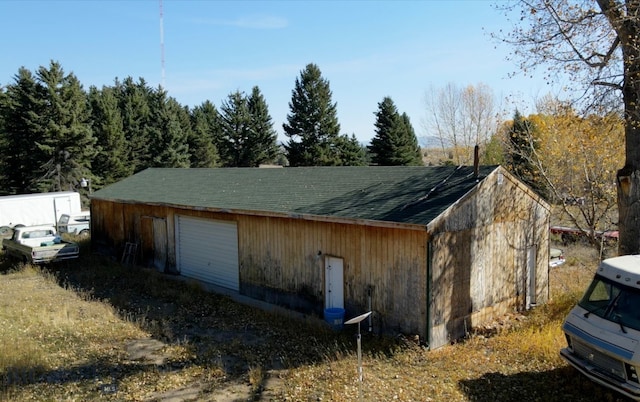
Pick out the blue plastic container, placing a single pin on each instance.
(335, 317)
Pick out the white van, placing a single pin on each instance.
(79, 224)
(603, 330)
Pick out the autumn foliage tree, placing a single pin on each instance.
(579, 157)
(596, 43)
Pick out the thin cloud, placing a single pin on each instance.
(249, 22)
(184, 84)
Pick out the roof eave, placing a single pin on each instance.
(288, 215)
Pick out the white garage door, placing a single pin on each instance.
(207, 250)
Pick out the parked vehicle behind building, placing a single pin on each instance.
(556, 257)
(603, 330)
(36, 209)
(38, 245)
(79, 224)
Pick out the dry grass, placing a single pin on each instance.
(66, 334)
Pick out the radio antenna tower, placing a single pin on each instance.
(161, 44)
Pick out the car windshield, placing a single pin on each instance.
(613, 301)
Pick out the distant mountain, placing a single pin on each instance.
(431, 141)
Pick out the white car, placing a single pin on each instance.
(556, 257)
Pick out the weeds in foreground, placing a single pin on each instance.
(67, 332)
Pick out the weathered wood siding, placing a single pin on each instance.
(480, 252)
(282, 256)
(478, 266)
(281, 260)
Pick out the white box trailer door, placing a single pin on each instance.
(65, 204)
(38, 209)
(207, 250)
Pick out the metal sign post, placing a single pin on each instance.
(357, 320)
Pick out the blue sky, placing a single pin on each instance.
(365, 49)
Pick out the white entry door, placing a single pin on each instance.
(531, 277)
(333, 282)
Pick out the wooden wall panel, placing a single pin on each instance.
(480, 249)
(390, 262)
(478, 263)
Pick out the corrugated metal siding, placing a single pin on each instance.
(207, 250)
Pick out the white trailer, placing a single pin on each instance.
(36, 209)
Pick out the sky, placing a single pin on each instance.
(207, 49)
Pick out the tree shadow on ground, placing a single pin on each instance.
(219, 332)
(560, 384)
(104, 374)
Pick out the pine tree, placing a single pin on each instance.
(234, 122)
(522, 143)
(413, 155)
(68, 142)
(395, 142)
(205, 126)
(312, 124)
(23, 109)
(134, 100)
(4, 102)
(350, 151)
(248, 137)
(110, 163)
(263, 136)
(167, 132)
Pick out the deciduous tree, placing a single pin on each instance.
(580, 156)
(596, 44)
(461, 119)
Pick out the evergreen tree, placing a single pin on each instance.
(134, 100)
(263, 136)
(235, 122)
(395, 142)
(494, 151)
(205, 125)
(68, 142)
(167, 132)
(23, 108)
(312, 124)
(522, 143)
(350, 151)
(4, 102)
(110, 163)
(248, 137)
(413, 155)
